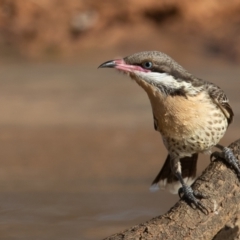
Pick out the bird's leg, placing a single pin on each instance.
(228, 156)
(186, 192)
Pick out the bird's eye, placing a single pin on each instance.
(147, 65)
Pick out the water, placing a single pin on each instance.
(78, 150)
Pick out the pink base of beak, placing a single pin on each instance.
(121, 65)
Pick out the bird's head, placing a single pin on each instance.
(158, 70)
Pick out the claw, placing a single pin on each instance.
(216, 155)
(191, 197)
(228, 156)
(200, 195)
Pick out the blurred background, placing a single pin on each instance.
(78, 151)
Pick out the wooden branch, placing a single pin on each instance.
(221, 185)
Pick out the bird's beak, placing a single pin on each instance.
(108, 64)
(113, 64)
(121, 65)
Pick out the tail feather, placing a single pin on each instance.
(167, 180)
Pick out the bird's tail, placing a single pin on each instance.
(166, 179)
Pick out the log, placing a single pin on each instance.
(222, 186)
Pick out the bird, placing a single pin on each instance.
(192, 115)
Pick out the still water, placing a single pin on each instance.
(78, 151)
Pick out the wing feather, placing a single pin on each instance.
(220, 98)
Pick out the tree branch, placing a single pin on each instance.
(221, 185)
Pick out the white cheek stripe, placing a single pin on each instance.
(164, 79)
(160, 78)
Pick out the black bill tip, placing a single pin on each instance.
(108, 64)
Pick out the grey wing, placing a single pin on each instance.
(220, 98)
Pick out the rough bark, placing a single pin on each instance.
(220, 183)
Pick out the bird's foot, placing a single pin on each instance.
(229, 157)
(192, 197)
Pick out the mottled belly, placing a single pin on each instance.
(189, 125)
